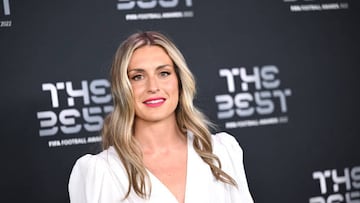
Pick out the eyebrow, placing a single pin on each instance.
(142, 70)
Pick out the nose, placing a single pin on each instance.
(153, 85)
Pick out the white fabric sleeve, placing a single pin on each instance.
(236, 168)
(91, 181)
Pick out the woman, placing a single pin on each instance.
(157, 145)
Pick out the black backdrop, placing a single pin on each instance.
(281, 76)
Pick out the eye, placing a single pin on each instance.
(164, 73)
(137, 77)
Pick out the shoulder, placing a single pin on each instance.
(226, 143)
(227, 148)
(223, 137)
(93, 176)
(100, 162)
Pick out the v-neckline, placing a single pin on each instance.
(154, 178)
(163, 186)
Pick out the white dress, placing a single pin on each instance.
(102, 178)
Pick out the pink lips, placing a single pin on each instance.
(154, 102)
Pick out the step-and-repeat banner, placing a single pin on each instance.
(281, 76)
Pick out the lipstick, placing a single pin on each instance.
(154, 102)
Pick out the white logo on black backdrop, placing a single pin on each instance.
(5, 14)
(338, 186)
(160, 9)
(316, 5)
(75, 110)
(254, 97)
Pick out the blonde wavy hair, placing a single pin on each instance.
(118, 126)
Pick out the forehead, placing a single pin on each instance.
(149, 56)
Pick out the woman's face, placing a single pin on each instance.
(154, 83)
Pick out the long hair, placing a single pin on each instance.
(118, 126)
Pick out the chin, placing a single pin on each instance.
(155, 118)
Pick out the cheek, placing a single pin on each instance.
(137, 90)
(174, 87)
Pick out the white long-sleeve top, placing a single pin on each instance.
(102, 177)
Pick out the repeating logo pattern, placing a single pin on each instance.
(155, 9)
(254, 97)
(338, 185)
(74, 110)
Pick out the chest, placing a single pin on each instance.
(171, 170)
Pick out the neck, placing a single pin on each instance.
(158, 135)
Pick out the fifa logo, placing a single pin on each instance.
(254, 97)
(73, 110)
(246, 102)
